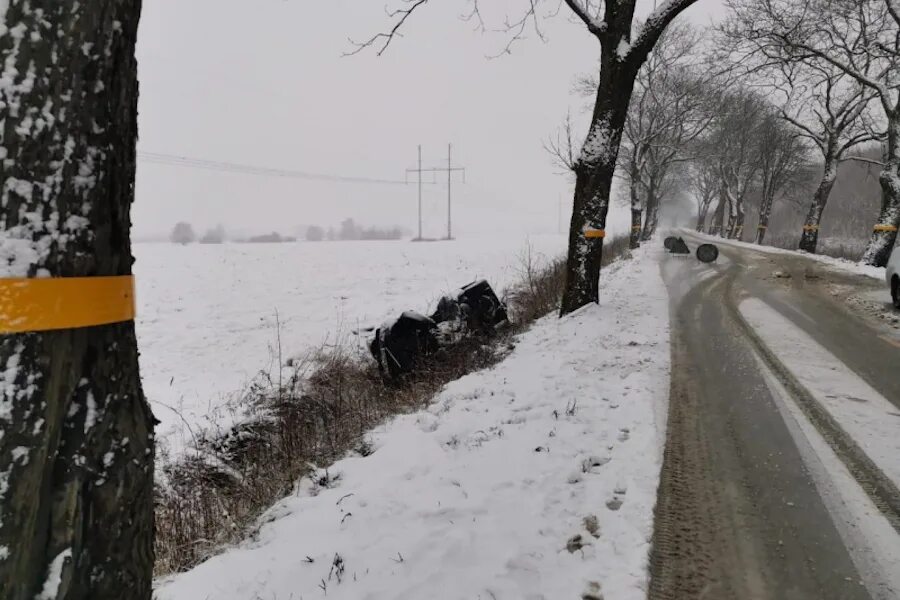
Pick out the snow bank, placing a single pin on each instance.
(839, 263)
(534, 479)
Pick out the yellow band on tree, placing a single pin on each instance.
(888, 228)
(594, 234)
(28, 305)
(810, 228)
(635, 227)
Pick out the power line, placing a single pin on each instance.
(229, 167)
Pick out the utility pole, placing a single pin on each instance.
(420, 191)
(418, 171)
(449, 169)
(449, 195)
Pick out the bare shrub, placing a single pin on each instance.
(539, 289)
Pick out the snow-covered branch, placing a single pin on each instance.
(653, 27)
(581, 10)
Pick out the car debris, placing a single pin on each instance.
(399, 345)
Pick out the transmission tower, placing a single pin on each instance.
(449, 170)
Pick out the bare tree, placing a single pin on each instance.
(704, 183)
(783, 163)
(669, 110)
(76, 433)
(624, 48)
(861, 39)
(688, 103)
(734, 142)
(828, 107)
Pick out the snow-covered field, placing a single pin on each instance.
(535, 479)
(207, 313)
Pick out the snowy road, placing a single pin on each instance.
(782, 463)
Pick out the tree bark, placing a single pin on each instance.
(634, 241)
(593, 179)
(702, 213)
(765, 211)
(635, 237)
(884, 235)
(76, 433)
(732, 219)
(717, 224)
(735, 217)
(738, 232)
(809, 238)
(651, 219)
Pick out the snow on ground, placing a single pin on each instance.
(534, 479)
(207, 313)
(839, 263)
(868, 417)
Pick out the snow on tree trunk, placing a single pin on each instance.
(809, 238)
(765, 211)
(732, 208)
(634, 241)
(593, 182)
(703, 212)
(651, 219)
(635, 236)
(76, 433)
(717, 224)
(884, 235)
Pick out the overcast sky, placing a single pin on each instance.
(264, 83)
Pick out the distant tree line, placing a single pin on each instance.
(183, 233)
(349, 230)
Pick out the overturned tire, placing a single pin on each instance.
(669, 242)
(707, 253)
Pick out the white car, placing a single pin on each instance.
(893, 276)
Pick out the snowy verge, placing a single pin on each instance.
(838, 263)
(534, 479)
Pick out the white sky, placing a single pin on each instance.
(268, 86)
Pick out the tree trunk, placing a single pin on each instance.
(635, 237)
(809, 239)
(735, 217)
(76, 433)
(594, 176)
(717, 225)
(738, 231)
(651, 219)
(884, 235)
(702, 213)
(634, 241)
(765, 211)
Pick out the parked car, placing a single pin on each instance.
(893, 276)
